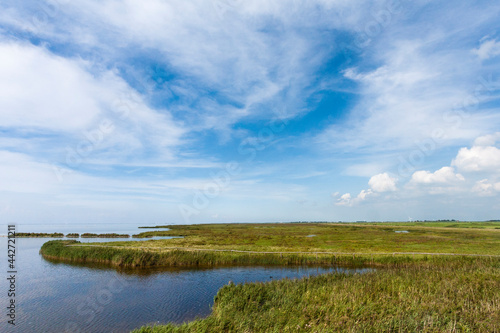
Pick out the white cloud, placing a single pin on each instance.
(347, 200)
(382, 183)
(363, 194)
(408, 99)
(344, 200)
(478, 158)
(485, 188)
(378, 184)
(45, 92)
(38, 89)
(489, 48)
(445, 175)
(487, 140)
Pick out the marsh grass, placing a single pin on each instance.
(335, 237)
(446, 295)
(70, 250)
(112, 235)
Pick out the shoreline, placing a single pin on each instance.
(118, 256)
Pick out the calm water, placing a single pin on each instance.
(61, 297)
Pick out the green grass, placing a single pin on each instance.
(335, 237)
(446, 224)
(439, 295)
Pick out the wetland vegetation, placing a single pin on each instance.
(451, 295)
(39, 234)
(440, 276)
(108, 235)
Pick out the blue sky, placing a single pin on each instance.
(249, 111)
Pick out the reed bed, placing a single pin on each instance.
(453, 294)
(71, 250)
(39, 235)
(112, 235)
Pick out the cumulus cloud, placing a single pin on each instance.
(445, 175)
(482, 156)
(363, 194)
(382, 183)
(344, 200)
(489, 48)
(347, 200)
(378, 184)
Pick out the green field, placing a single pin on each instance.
(432, 237)
(407, 291)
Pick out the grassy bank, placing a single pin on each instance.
(368, 243)
(450, 295)
(71, 250)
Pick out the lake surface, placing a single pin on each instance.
(60, 297)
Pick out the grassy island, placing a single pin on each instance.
(112, 235)
(430, 277)
(39, 235)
